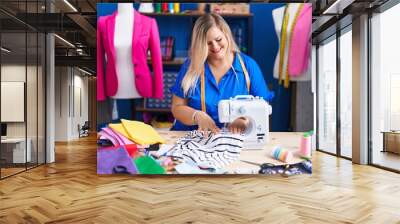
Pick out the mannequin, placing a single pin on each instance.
(124, 25)
(124, 39)
(278, 16)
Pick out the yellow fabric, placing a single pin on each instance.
(120, 129)
(141, 133)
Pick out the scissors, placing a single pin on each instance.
(266, 168)
(285, 170)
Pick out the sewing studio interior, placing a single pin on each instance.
(198, 88)
(200, 111)
(201, 88)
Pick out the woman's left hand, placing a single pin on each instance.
(239, 125)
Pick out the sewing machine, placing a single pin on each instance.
(256, 109)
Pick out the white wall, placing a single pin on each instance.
(71, 94)
(33, 127)
(61, 103)
(80, 97)
(16, 73)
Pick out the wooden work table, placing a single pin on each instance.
(287, 140)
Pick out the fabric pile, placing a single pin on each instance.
(114, 160)
(130, 141)
(130, 132)
(114, 137)
(207, 150)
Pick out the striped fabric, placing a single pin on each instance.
(208, 151)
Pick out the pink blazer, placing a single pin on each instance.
(299, 51)
(145, 36)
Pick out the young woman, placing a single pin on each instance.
(215, 70)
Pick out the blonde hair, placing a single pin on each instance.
(199, 49)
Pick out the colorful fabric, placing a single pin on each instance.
(114, 161)
(106, 136)
(115, 137)
(119, 128)
(167, 48)
(141, 133)
(138, 132)
(132, 150)
(147, 165)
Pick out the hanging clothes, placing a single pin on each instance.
(145, 37)
(300, 50)
(124, 49)
(293, 27)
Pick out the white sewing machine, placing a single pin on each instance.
(256, 109)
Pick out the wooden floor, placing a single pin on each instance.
(10, 171)
(387, 159)
(70, 191)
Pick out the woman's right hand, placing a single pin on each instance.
(205, 122)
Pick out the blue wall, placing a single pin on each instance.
(265, 47)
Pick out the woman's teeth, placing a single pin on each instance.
(217, 51)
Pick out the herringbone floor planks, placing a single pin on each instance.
(70, 191)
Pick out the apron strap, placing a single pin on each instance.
(203, 85)
(246, 74)
(203, 92)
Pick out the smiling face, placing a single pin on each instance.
(217, 44)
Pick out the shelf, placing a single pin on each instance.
(197, 14)
(161, 110)
(176, 61)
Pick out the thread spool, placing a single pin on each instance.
(146, 8)
(177, 7)
(158, 7)
(305, 145)
(164, 7)
(281, 154)
(171, 7)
